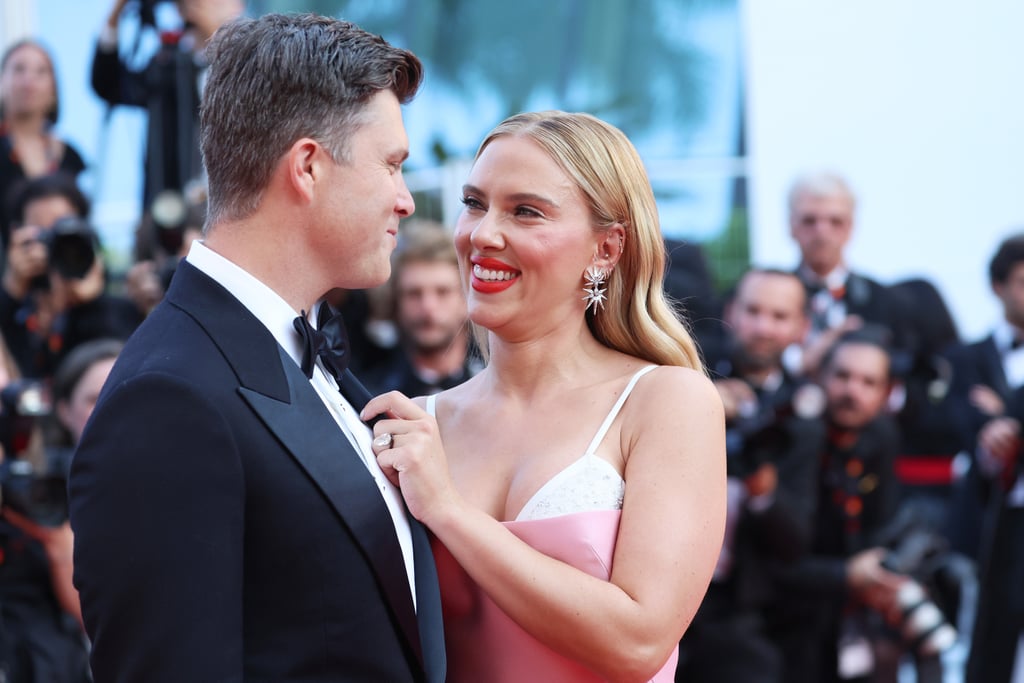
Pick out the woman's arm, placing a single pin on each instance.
(669, 537)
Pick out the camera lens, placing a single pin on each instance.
(72, 249)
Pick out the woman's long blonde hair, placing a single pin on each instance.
(637, 318)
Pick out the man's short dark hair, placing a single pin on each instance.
(279, 78)
(870, 334)
(805, 304)
(43, 187)
(1008, 255)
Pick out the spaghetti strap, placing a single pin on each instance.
(431, 407)
(616, 408)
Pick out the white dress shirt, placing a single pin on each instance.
(278, 317)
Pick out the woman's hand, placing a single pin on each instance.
(408, 447)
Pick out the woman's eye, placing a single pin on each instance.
(471, 202)
(527, 212)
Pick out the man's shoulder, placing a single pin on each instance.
(975, 349)
(168, 340)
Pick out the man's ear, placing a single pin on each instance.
(303, 167)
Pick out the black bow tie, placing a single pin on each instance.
(329, 341)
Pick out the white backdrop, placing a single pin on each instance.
(920, 105)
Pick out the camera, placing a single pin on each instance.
(929, 598)
(39, 492)
(70, 250)
(759, 432)
(923, 624)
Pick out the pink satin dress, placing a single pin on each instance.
(574, 518)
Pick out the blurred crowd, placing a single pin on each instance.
(876, 495)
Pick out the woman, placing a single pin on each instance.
(553, 566)
(28, 111)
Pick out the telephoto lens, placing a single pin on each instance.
(924, 625)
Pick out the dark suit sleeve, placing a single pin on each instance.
(113, 82)
(783, 530)
(156, 497)
(970, 364)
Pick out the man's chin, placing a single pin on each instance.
(433, 345)
(849, 421)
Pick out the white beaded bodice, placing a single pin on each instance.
(589, 483)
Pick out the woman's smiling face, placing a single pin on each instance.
(524, 238)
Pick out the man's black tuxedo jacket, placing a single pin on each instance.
(977, 363)
(225, 529)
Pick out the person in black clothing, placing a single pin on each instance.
(774, 433)
(41, 636)
(168, 88)
(997, 654)
(836, 624)
(927, 463)
(45, 312)
(985, 375)
(29, 108)
(821, 220)
(429, 308)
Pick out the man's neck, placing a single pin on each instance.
(828, 277)
(843, 438)
(444, 362)
(762, 378)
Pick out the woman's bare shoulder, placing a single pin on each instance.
(670, 390)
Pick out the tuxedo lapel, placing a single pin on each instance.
(273, 385)
(992, 366)
(307, 430)
(428, 605)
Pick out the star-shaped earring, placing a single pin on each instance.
(595, 290)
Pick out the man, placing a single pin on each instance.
(990, 385)
(231, 523)
(430, 313)
(774, 435)
(821, 220)
(985, 375)
(997, 644)
(843, 587)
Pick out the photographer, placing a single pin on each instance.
(773, 435)
(41, 638)
(53, 294)
(852, 602)
(168, 88)
(160, 245)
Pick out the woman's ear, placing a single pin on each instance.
(609, 248)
